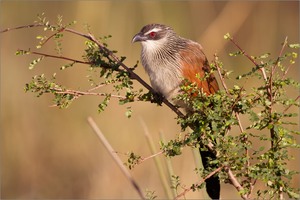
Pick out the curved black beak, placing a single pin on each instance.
(138, 38)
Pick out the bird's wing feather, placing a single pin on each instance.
(193, 61)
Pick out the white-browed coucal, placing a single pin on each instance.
(168, 60)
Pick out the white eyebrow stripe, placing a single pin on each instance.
(153, 30)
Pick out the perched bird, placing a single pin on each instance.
(169, 59)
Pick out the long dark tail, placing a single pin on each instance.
(212, 183)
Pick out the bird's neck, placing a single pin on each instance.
(160, 49)
(152, 46)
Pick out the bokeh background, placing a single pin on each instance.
(50, 153)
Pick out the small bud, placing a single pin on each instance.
(227, 36)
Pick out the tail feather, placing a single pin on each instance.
(212, 183)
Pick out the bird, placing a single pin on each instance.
(169, 59)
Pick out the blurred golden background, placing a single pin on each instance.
(50, 153)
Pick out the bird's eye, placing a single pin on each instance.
(152, 34)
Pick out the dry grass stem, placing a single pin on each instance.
(111, 151)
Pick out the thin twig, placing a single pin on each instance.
(114, 156)
(81, 93)
(286, 71)
(78, 94)
(251, 188)
(262, 69)
(151, 156)
(96, 87)
(57, 57)
(198, 183)
(286, 109)
(51, 36)
(273, 70)
(235, 182)
(220, 74)
(21, 27)
(288, 68)
(279, 56)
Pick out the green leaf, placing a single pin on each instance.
(266, 55)
(104, 103)
(293, 194)
(128, 112)
(238, 53)
(22, 52)
(294, 46)
(36, 61)
(67, 66)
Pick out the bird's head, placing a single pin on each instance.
(154, 35)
